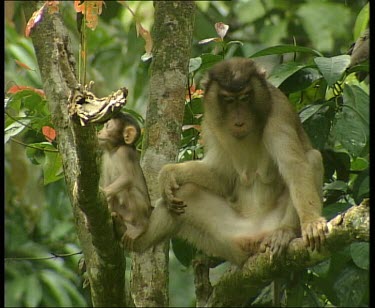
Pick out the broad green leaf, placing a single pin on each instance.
(281, 49)
(361, 254)
(300, 80)
(307, 112)
(336, 185)
(361, 186)
(318, 126)
(351, 286)
(52, 167)
(333, 68)
(334, 209)
(322, 268)
(283, 71)
(33, 295)
(362, 21)
(15, 128)
(194, 64)
(55, 288)
(208, 60)
(352, 123)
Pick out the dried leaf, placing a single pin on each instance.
(15, 89)
(23, 65)
(49, 133)
(221, 29)
(35, 18)
(53, 7)
(91, 10)
(146, 36)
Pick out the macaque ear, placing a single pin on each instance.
(130, 134)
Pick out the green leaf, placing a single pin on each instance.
(333, 68)
(300, 80)
(194, 64)
(336, 185)
(33, 295)
(183, 251)
(15, 128)
(361, 186)
(55, 288)
(52, 167)
(352, 123)
(208, 60)
(283, 71)
(307, 112)
(282, 49)
(362, 21)
(351, 286)
(361, 254)
(318, 126)
(334, 209)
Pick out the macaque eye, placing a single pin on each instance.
(244, 98)
(228, 99)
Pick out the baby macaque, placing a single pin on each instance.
(122, 179)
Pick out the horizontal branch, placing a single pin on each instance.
(233, 288)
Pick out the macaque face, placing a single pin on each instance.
(237, 98)
(236, 112)
(110, 135)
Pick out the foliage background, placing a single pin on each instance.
(38, 217)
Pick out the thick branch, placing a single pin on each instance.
(232, 289)
(78, 147)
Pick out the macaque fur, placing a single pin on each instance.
(259, 183)
(122, 177)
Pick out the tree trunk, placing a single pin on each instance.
(172, 36)
(105, 262)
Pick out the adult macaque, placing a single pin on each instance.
(122, 177)
(259, 184)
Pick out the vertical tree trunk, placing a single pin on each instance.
(105, 262)
(172, 35)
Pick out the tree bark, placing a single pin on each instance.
(78, 147)
(172, 36)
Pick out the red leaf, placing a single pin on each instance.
(49, 133)
(15, 89)
(23, 65)
(35, 18)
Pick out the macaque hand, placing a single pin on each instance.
(168, 188)
(314, 233)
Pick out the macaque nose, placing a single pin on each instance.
(239, 124)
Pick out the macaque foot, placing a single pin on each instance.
(277, 242)
(314, 233)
